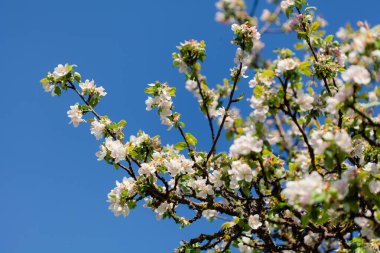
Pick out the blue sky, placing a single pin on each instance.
(53, 190)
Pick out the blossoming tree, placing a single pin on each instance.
(302, 173)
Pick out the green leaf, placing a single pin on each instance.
(180, 145)
(304, 68)
(122, 123)
(266, 152)
(258, 91)
(329, 38)
(314, 26)
(310, 8)
(240, 97)
(44, 80)
(299, 46)
(191, 139)
(77, 77)
(150, 90)
(171, 91)
(289, 11)
(57, 91)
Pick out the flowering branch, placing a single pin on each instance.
(302, 173)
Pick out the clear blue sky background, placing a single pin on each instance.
(52, 189)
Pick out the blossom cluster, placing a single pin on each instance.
(302, 170)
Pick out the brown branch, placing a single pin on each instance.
(226, 112)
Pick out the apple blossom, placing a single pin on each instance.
(75, 114)
(301, 170)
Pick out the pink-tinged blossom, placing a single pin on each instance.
(97, 129)
(358, 74)
(201, 188)
(116, 148)
(89, 87)
(286, 4)
(191, 85)
(101, 153)
(61, 70)
(147, 169)
(162, 209)
(48, 87)
(75, 114)
(247, 30)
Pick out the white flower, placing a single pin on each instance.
(235, 28)
(265, 15)
(342, 185)
(61, 70)
(48, 87)
(342, 33)
(117, 149)
(149, 103)
(209, 214)
(374, 186)
(191, 85)
(260, 110)
(97, 129)
(367, 229)
(243, 247)
(305, 101)
(303, 161)
(116, 207)
(75, 114)
(241, 171)
(164, 103)
(358, 74)
(100, 90)
(182, 67)
(311, 239)
(318, 142)
(372, 96)
(247, 30)
(286, 3)
(332, 105)
(174, 166)
(101, 153)
(216, 179)
(147, 169)
(343, 140)
(243, 70)
(301, 191)
(117, 202)
(373, 168)
(201, 188)
(87, 86)
(254, 221)
(246, 144)
(259, 77)
(286, 65)
(162, 209)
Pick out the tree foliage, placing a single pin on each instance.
(302, 173)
